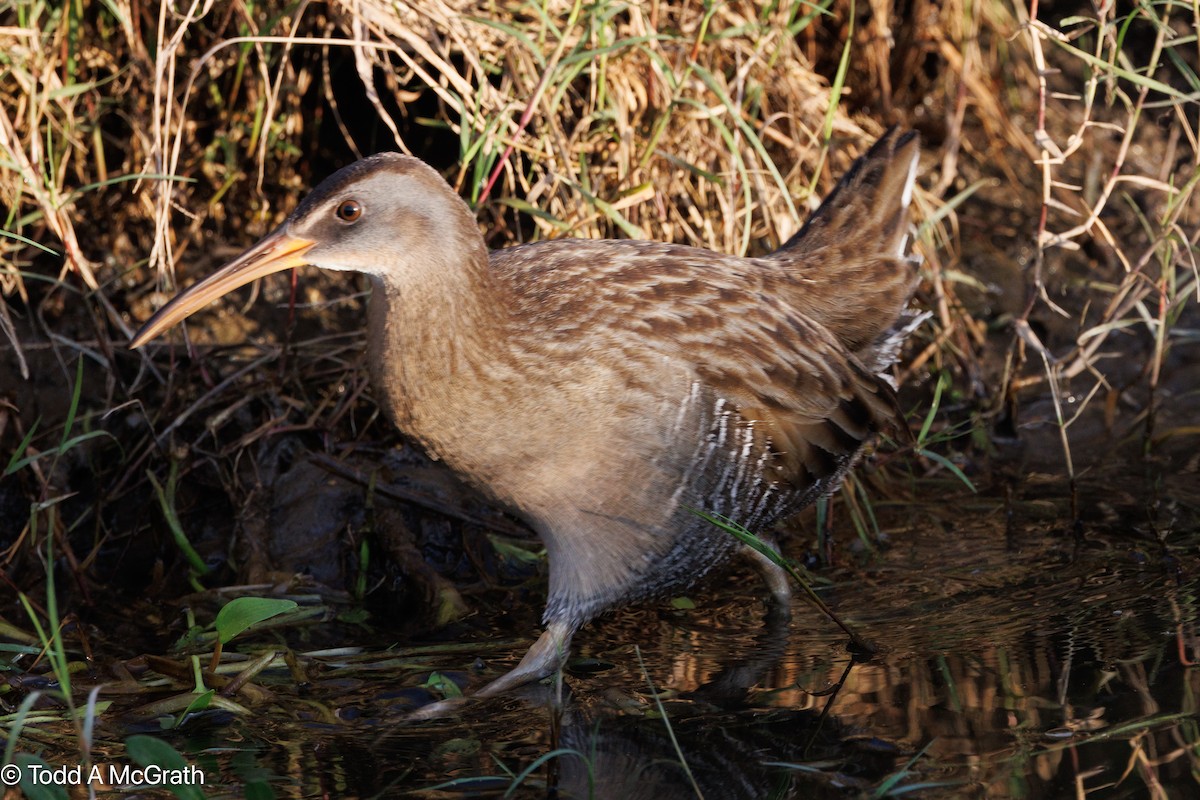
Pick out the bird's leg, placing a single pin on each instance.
(776, 577)
(545, 657)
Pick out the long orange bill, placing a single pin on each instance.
(275, 253)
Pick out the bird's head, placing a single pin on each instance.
(390, 216)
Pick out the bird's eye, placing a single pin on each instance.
(348, 211)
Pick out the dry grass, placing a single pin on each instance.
(1061, 155)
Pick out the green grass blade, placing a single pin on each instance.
(948, 464)
(76, 393)
(169, 512)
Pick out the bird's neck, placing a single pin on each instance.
(426, 341)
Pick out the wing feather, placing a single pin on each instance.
(810, 400)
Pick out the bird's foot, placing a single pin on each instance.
(547, 656)
(544, 658)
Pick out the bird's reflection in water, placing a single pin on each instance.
(595, 739)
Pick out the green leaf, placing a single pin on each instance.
(150, 751)
(526, 207)
(440, 683)
(166, 501)
(242, 612)
(63, 92)
(76, 392)
(40, 790)
(23, 240)
(950, 465)
(943, 382)
(201, 702)
(258, 790)
(516, 551)
(1129, 75)
(16, 462)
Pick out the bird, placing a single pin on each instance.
(606, 390)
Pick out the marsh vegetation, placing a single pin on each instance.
(1029, 567)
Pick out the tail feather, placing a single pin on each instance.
(869, 203)
(854, 275)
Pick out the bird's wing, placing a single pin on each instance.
(811, 402)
